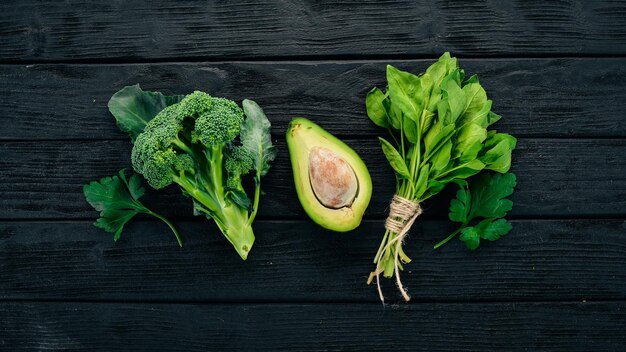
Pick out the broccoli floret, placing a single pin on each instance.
(220, 124)
(190, 144)
(238, 163)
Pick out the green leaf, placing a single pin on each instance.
(256, 138)
(442, 157)
(240, 198)
(489, 194)
(454, 96)
(395, 159)
(484, 197)
(117, 200)
(375, 108)
(497, 151)
(134, 185)
(463, 171)
(394, 114)
(433, 187)
(460, 206)
(492, 118)
(442, 68)
(436, 134)
(492, 230)
(469, 141)
(477, 106)
(403, 89)
(133, 107)
(112, 194)
(428, 120)
(410, 129)
(422, 180)
(470, 236)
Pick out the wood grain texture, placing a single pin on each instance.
(556, 178)
(294, 261)
(139, 30)
(338, 327)
(538, 98)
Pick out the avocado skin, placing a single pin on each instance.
(302, 136)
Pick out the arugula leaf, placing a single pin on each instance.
(117, 200)
(403, 88)
(375, 108)
(497, 151)
(395, 159)
(484, 197)
(133, 107)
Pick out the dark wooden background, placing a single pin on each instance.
(556, 71)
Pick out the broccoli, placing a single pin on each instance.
(194, 144)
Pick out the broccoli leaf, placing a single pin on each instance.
(133, 107)
(240, 198)
(256, 138)
(117, 200)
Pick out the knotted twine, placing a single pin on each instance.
(402, 215)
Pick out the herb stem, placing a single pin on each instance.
(168, 223)
(445, 240)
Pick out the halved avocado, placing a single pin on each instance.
(332, 182)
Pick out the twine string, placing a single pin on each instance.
(402, 214)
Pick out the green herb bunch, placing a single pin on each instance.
(438, 124)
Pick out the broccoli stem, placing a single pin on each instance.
(257, 195)
(207, 188)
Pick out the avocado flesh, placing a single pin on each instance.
(332, 182)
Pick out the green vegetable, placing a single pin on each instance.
(484, 197)
(438, 125)
(333, 184)
(117, 200)
(193, 144)
(134, 107)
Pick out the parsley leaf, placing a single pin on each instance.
(117, 200)
(489, 193)
(484, 197)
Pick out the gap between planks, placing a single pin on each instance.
(303, 59)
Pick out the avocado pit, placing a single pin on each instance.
(333, 180)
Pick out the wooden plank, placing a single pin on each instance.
(294, 261)
(337, 327)
(32, 30)
(538, 98)
(557, 178)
